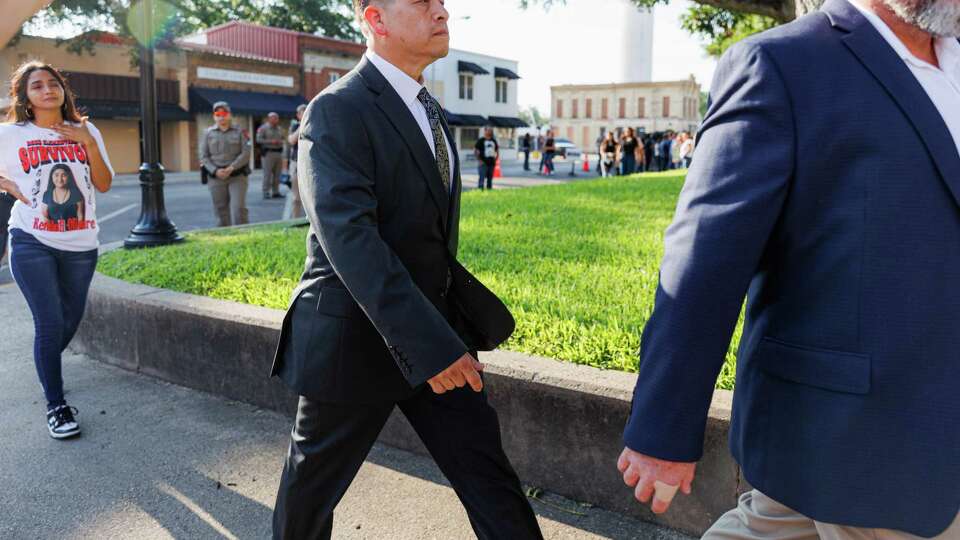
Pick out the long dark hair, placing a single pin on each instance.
(20, 109)
(71, 184)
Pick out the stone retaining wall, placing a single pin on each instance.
(561, 422)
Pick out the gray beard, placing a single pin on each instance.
(940, 18)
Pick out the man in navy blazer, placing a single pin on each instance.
(827, 190)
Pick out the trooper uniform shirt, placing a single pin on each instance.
(269, 133)
(220, 149)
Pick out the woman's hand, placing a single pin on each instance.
(11, 187)
(80, 133)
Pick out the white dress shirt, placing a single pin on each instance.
(943, 84)
(409, 89)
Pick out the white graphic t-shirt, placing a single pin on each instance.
(55, 175)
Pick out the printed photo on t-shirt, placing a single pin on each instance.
(61, 191)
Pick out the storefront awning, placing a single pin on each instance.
(470, 67)
(453, 119)
(252, 103)
(507, 122)
(168, 112)
(504, 73)
(465, 120)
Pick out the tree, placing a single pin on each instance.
(332, 18)
(534, 117)
(722, 28)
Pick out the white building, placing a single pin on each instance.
(477, 91)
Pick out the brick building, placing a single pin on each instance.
(584, 113)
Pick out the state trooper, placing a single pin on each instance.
(225, 155)
(271, 140)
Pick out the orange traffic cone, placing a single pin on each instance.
(586, 163)
(497, 173)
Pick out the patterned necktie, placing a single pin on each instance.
(439, 142)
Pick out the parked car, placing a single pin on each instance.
(567, 150)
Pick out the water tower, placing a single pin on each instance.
(636, 29)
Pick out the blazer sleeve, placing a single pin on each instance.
(337, 174)
(730, 203)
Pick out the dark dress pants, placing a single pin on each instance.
(460, 430)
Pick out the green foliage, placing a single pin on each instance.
(577, 264)
(547, 4)
(174, 18)
(721, 28)
(533, 116)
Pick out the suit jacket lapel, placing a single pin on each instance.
(894, 75)
(399, 115)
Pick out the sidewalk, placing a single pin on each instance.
(160, 461)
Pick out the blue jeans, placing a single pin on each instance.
(628, 164)
(548, 161)
(485, 171)
(55, 284)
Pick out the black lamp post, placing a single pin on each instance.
(153, 228)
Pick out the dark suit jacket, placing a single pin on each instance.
(826, 188)
(383, 304)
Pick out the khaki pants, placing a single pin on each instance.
(758, 517)
(272, 163)
(229, 197)
(297, 211)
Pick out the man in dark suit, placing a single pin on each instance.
(827, 189)
(384, 315)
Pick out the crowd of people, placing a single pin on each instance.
(629, 153)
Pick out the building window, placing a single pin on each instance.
(570, 133)
(587, 143)
(559, 108)
(334, 77)
(604, 109)
(466, 87)
(501, 90)
(576, 108)
(641, 108)
(623, 108)
(666, 106)
(589, 108)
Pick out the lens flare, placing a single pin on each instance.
(150, 20)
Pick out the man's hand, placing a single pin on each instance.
(652, 477)
(222, 174)
(464, 371)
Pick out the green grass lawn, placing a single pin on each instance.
(576, 263)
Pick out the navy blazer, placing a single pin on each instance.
(826, 189)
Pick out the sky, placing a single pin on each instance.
(579, 43)
(582, 41)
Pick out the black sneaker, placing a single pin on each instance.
(61, 423)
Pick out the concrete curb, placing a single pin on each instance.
(561, 422)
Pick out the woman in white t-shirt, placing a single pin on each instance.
(52, 161)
